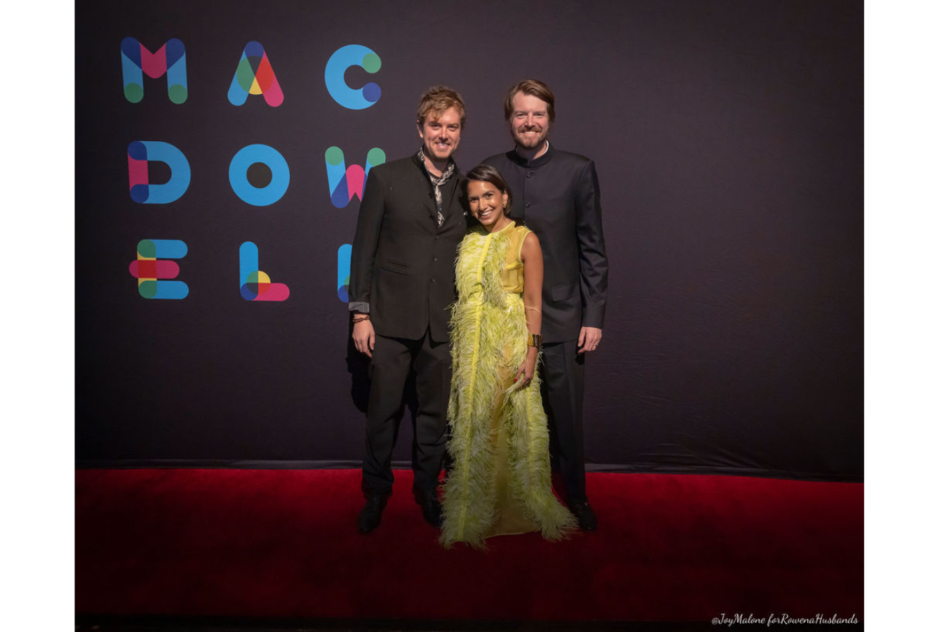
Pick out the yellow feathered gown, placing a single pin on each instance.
(500, 480)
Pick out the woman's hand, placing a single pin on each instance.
(527, 370)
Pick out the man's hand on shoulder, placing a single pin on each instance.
(589, 339)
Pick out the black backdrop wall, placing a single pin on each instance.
(728, 142)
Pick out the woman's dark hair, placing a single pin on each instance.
(486, 173)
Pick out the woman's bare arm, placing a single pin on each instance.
(532, 297)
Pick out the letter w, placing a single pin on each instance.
(345, 183)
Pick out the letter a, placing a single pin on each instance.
(254, 75)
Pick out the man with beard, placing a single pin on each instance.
(556, 194)
(412, 217)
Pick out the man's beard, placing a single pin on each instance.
(528, 142)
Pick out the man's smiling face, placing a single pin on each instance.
(441, 134)
(529, 121)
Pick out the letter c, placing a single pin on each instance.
(335, 75)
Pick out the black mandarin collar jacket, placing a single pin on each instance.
(558, 197)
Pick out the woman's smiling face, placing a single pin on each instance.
(487, 202)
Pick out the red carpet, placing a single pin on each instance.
(282, 543)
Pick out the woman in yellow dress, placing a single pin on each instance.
(500, 479)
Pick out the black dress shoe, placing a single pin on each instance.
(430, 508)
(371, 515)
(582, 511)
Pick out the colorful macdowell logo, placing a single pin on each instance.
(254, 75)
(255, 284)
(139, 154)
(342, 272)
(263, 185)
(347, 56)
(151, 271)
(345, 183)
(169, 60)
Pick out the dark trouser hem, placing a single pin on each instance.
(420, 494)
(367, 492)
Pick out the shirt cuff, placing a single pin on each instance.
(359, 306)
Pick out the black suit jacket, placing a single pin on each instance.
(557, 197)
(402, 263)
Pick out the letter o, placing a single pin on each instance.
(238, 175)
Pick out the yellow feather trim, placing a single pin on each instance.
(485, 321)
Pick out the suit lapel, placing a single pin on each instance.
(451, 212)
(427, 189)
(423, 184)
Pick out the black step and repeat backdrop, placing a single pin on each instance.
(222, 148)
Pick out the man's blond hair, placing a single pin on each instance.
(438, 100)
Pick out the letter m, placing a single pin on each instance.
(170, 60)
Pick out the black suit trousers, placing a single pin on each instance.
(392, 360)
(562, 372)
